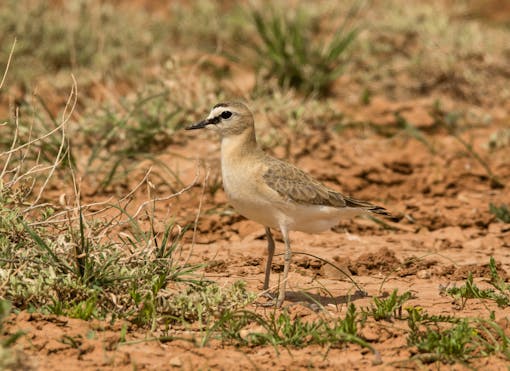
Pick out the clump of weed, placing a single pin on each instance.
(501, 212)
(448, 339)
(202, 301)
(289, 50)
(388, 308)
(500, 293)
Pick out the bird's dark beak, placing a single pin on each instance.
(198, 125)
(202, 124)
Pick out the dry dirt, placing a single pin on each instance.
(445, 230)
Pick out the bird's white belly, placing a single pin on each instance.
(260, 212)
(316, 218)
(293, 216)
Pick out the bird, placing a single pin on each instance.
(273, 192)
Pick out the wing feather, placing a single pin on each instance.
(294, 184)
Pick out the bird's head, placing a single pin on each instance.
(228, 119)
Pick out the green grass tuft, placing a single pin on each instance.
(500, 293)
(289, 50)
(501, 212)
(388, 308)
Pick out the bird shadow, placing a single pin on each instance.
(310, 298)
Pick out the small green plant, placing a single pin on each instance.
(448, 339)
(499, 284)
(351, 321)
(417, 316)
(289, 50)
(499, 294)
(388, 308)
(85, 309)
(200, 302)
(99, 271)
(455, 343)
(73, 341)
(501, 212)
(463, 341)
(281, 329)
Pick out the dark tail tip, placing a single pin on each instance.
(383, 212)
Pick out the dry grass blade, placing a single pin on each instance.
(66, 115)
(6, 70)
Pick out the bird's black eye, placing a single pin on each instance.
(226, 115)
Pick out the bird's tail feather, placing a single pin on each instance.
(379, 210)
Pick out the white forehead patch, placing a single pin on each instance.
(216, 112)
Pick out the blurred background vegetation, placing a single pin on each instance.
(145, 68)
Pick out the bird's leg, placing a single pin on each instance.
(270, 253)
(287, 257)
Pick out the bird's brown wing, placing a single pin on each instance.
(294, 184)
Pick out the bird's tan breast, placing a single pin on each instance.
(247, 192)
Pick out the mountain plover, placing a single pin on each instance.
(272, 192)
